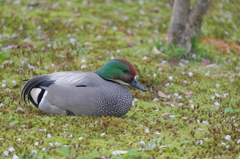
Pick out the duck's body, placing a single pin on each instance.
(80, 93)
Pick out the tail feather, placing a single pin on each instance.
(36, 82)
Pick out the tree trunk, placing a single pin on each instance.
(185, 24)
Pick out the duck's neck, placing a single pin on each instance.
(106, 72)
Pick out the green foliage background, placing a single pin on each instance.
(194, 121)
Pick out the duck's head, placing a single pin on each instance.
(120, 71)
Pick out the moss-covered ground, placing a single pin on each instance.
(191, 109)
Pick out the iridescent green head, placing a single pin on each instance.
(120, 71)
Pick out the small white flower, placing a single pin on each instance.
(216, 104)
(207, 74)
(171, 116)
(157, 133)
(3, 85)
(155, 99)
(238, 142)
(118, 51)
(228, 137)
(154, 75)
(190, 74)
(225, 95)
(144, 58)
(205, 122)
(80, 138)
(217, 95)
(167, 84)
(51, 144)
(30, 66)
(102, 134)
(36, 144)
(57, 144)
(170, 77)
(200, 142)
(223, 143)
(19, 139)
(135, 100)
(1, 105)
(72, 40)
(217, 85)
(6, 153)
(83, 66)
(147, 131)
(11, 149)
(176, 94)
(15, 157)
(83, 60)
(141, 143)
(14, 82)
(39, 27)
(34, 151)
(99, 37)
(44, 149)
(180, 104)
(49, 136)
(115, 28)
(164, 62)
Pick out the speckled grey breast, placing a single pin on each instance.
(115, 100)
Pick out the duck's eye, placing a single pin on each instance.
(125, 70)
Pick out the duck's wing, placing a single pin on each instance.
(35, 88)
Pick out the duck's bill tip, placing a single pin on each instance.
(135, 84)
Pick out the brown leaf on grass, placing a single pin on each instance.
(163, 95)
(205, 62)
(155, 50)
(155, 9)
(20, 109)
(165, 115)
(170, 103)
(189, 94)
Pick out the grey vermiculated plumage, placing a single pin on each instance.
(82, 93)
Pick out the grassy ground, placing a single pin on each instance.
(191, 109)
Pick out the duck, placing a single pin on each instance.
(76, 93)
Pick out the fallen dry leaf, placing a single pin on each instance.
(155, 50)
(163, 95)
(20, 109)
(165, 115)
(170, 103)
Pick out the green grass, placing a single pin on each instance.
(194, 122)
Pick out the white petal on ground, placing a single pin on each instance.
(119, 152)
(15, 157)
(11, 149)
(170, 77)
(34, 151)
(83, 66)
(49, 136)
(190, 74)
(6, 153)
(102, 134)
(83, 60)
(80, 138)
(147, 131)
(238, 142)
(216, 104)
(36, 144)
(228, 137)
